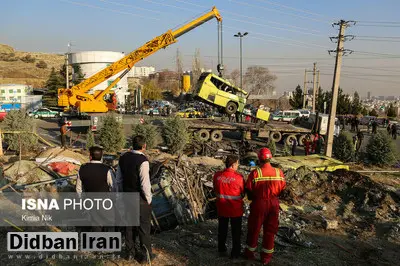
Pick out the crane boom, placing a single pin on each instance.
(78, 97)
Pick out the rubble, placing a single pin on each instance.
(59, 154)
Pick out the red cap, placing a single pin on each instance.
(264, 154)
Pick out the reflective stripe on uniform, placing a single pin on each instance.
(269, 251)
(229, 197)
(250, 248)
(268, 178)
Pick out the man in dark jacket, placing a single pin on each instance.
(133, 175)
(97, 177)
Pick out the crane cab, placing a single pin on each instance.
(219, 92)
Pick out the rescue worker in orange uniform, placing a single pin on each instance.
(263, 187)
(229, 190)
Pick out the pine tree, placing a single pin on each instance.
(297, 100)
(52, 85)
(176, 134)
(20, 121)
(343, 147)
(373, 112)
(356, 106)
(90, 141)
(150, 132)
(111, 135)
(78, 76)
(391, 112)
(381, 149)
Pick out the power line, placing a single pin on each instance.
(107, 9)
(375, 40)
(380, 54)
(379, 22)
(132, 6)
(283, 38)
(273, 27)
(291, 8)
(276, 10)
(248, 17)
(380, 37)
(378, 25)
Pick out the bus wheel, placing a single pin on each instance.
(203, 134)
(231, 108)
(275, 136)
(289, 138)
(216, 135)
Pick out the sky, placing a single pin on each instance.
(286, 36)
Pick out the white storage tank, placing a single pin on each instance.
(92, 62)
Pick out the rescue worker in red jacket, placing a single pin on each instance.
(229, 190)
(263, 187)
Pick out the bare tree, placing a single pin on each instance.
(258, 80)
(179, 68)
(234, 77)
(196, 67)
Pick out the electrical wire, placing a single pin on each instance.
(273, 27)
(380, 37)
(380, 54)
(291, 8)
(276, 10)
(379, 22)
(248, 17)
(374, 40)
(107, 9)
(283, 38)
(132, 6)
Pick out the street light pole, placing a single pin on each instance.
(241, 58)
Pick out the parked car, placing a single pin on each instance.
(154, 110)
(44, 113)
(305, 113)
(3, 114)
(189, 112)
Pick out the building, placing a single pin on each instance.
(381, 98)
(143, 71)
(369, 95)
(17, 96)
(390, 98)
(92, 62)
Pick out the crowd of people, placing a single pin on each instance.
(263, 187)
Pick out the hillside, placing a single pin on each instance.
(18, 67)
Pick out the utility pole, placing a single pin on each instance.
(314, 87)
(317, 91)
(336, 80)
(67, 65)
(305, 89)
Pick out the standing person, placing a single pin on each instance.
(374, 126)
(319, 145)
(64, 130)
(263, 187)
(229, 189)
(360, 138)
(356, 123)
(355, 139)
(294, 146)
(369, 124)
(95, 176)
(389, 128)
(394, 131)
(314, 143)
(133, 174)
(307, 143)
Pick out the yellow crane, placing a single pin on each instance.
(77, 97)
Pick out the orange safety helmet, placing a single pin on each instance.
(264, 154)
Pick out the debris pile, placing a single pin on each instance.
(341, 200)
(182, 191)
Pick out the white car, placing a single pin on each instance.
(305, 113)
